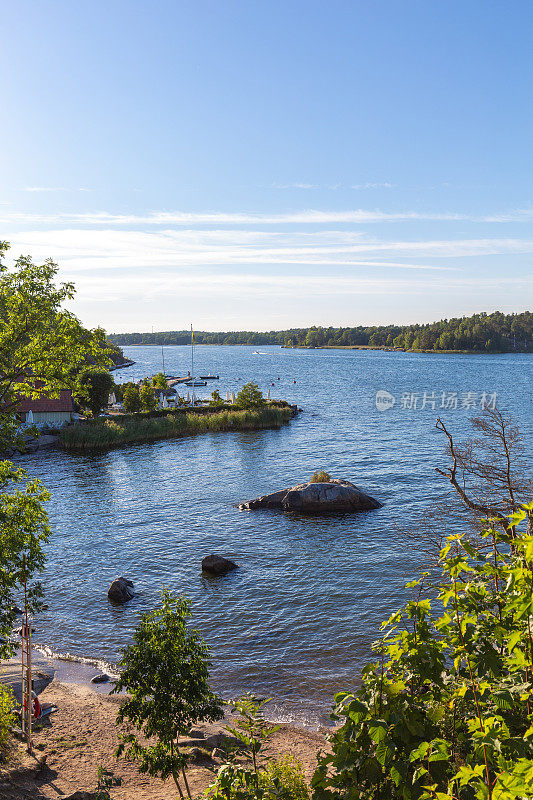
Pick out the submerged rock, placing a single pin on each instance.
(316, 498)
(121, 590)
(217, 565)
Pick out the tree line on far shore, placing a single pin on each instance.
(488, 333)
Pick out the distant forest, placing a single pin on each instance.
(484, 333)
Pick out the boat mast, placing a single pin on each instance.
(192, 364)
(163, 357)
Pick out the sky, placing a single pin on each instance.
(265, 164)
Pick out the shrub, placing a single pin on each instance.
(105, 781)
(320, 476)
(250, 396)
(286, 776)
(245, 781)
(446, 712)
(7, 717)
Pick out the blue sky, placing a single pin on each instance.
(261, 165)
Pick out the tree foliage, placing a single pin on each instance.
(23, 530)
(43, 347)
(250, 396)
(165, 673)
(247, 781)
(7, 715)
(147, 397)
(216, 401)
(490, 333)
(95, 385)
(131, 398)
(446, 710)
(159, 381)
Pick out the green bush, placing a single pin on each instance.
(320, 476)
(246, 781)
(285, 775)
(446, 712)
(250, 396)
(7, 717)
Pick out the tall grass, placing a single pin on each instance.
(118, 431)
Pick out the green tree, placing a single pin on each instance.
(165, 674)
(95, 385)
(147, 398)
(131, 398)
(250, 396)
(23, 530)
(445, 712)
(43, 347)
(216, 400)
(159, 381)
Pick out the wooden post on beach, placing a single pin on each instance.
(27, 682)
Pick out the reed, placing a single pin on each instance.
(118, 431)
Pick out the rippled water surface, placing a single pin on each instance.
(295, 621)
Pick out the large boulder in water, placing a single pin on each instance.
(317, 498)
(217, 565)
(121, 590)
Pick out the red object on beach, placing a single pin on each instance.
(36, 706)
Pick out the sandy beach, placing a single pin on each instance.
(82, 735)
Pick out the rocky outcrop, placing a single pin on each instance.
(217, 565)
(102, 678)
(121, 590)
(317, 498)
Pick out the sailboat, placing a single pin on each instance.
(194, 381)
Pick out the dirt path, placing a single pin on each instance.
(82, 735)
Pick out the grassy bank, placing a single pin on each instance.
(139, 428)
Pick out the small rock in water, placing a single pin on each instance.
(217, 565)
(102, 678)
(121, 590)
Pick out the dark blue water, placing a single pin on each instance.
(295, 621)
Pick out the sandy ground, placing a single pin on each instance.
(82, 735)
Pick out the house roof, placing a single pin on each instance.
(47, 404)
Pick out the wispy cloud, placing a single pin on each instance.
(304, 217)
(79, 249)
(54, 189)
(376, 185)
(294, 185)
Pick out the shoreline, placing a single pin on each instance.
(75, 670)
(344, 347)
(82, 735)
